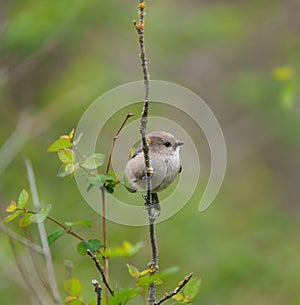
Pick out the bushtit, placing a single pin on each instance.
(164, 159)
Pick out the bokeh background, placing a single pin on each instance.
(241, 57)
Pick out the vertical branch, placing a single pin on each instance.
(143, 127)
(43, 235)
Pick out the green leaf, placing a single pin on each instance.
(73, 301)
(109, 187)
(98, 180)
(83, 223)
(66, 170)
(76, 302)
(126, 250)
(25, 220)
(53, 236)
(94, 161)
(11, 216)
(66, 155)
(59, 144)
(22, 199)
(42, 215)
(72, 287)
(12, 207)
(147, 280)
(112, 177)
(81, 248)
(93, 245)
(123, 296)
(192, 288)
(133, 271)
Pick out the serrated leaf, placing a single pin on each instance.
(192, 288)
(59, 144)
(53, 236)
(124, 295)
(11, 216)
(22, 199)
(133, 271)
(72, 286)
(66, 155)
(12, 207)
(94, 161)
(25, 220)
(83, 223)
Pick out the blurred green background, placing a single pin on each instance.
(241, 57)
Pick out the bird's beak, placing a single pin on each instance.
(178, 143)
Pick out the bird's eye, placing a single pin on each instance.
(167, 144)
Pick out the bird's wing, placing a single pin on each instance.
(137, 170)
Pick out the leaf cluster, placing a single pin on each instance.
(68, 153)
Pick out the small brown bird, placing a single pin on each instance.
(164, 159)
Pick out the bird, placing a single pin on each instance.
(164, 160)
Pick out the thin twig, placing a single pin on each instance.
(143, 127)
(104, 231)
(100, 268)
(98, 291)
(43, 235)
(169, 295)
(115, 139)
(68, 229)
